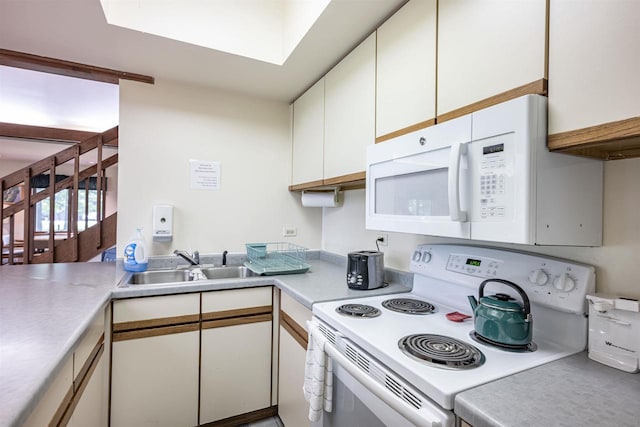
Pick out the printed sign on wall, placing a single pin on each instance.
(204, 175)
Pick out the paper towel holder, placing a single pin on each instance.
(335, 201)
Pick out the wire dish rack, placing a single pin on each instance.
(276, 258)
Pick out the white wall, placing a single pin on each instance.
(164, 125)
(616, 261)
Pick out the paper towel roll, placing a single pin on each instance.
(319, 199)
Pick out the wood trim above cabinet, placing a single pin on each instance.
(155, 332)
(226, 314)
(352, 181)
(538, 87)
(406, 130)
(297, 332)
(155, 323)
(306, 185)
(235, 321)
(607, 141)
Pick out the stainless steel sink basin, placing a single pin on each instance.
(183, 276)
(227, 272)
(157, 277)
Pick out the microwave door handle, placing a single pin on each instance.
(457, 151)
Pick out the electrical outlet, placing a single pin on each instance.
(289, 232)
(383, 239)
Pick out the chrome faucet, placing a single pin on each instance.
(193, 259)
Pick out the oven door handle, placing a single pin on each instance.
(457, 151)
(424, 416)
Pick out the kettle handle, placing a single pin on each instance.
(523, 295)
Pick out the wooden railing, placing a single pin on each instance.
(20, 199)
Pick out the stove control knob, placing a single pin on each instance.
(416, 256)
(538, 277)
(426, 257)
(564, 283)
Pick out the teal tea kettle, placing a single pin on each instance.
(500, 319)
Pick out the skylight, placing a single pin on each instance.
(265, 30)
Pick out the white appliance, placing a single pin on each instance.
(486, 176)
(376, 381)
(614, 331)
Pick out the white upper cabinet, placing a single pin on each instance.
(594, 62)
(406, 68)
(350, 111)
(308, 135)
(487, 47)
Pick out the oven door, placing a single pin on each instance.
(367, 394)
(418, 182)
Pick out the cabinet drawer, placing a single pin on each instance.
(296, 311)
(138, 309)
(236, 299)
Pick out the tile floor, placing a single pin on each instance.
(267, 422)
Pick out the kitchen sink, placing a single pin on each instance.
(158, 277)
(227, 272)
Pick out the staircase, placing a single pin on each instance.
(24, 192)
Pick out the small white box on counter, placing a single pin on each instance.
(614, 331)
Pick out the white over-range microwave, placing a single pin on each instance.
(486, 176)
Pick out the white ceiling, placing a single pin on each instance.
(76, 30)
(266, 30)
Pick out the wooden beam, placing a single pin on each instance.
(61, 67)
(14, 130)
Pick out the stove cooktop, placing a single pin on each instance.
(380, 336)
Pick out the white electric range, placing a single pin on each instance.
(421, 392)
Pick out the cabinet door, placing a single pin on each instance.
(236, 370)
(594, 62)
(350, 111)
(308, 135)
(91, 407)
(292, 408)
(155, 381)
(406, 68)
(487, 47)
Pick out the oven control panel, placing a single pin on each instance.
(474, 265)
(548, 281)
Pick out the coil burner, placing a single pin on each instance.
(409, 306)
(441, 351)
(358, 310)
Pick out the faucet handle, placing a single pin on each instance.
(196, 256)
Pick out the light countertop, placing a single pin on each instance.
(574, 391)
(46, 308)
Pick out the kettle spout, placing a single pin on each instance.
(473, 302)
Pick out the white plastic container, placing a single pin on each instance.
(135, 253)
(614, 331)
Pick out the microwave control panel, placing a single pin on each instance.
(492, 183)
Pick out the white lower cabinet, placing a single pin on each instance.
(154, 361)
(192, 359)
(91, 407)
(292, 408)
(235, 352)
(236, 370)
(155, 381)
(77, 396)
